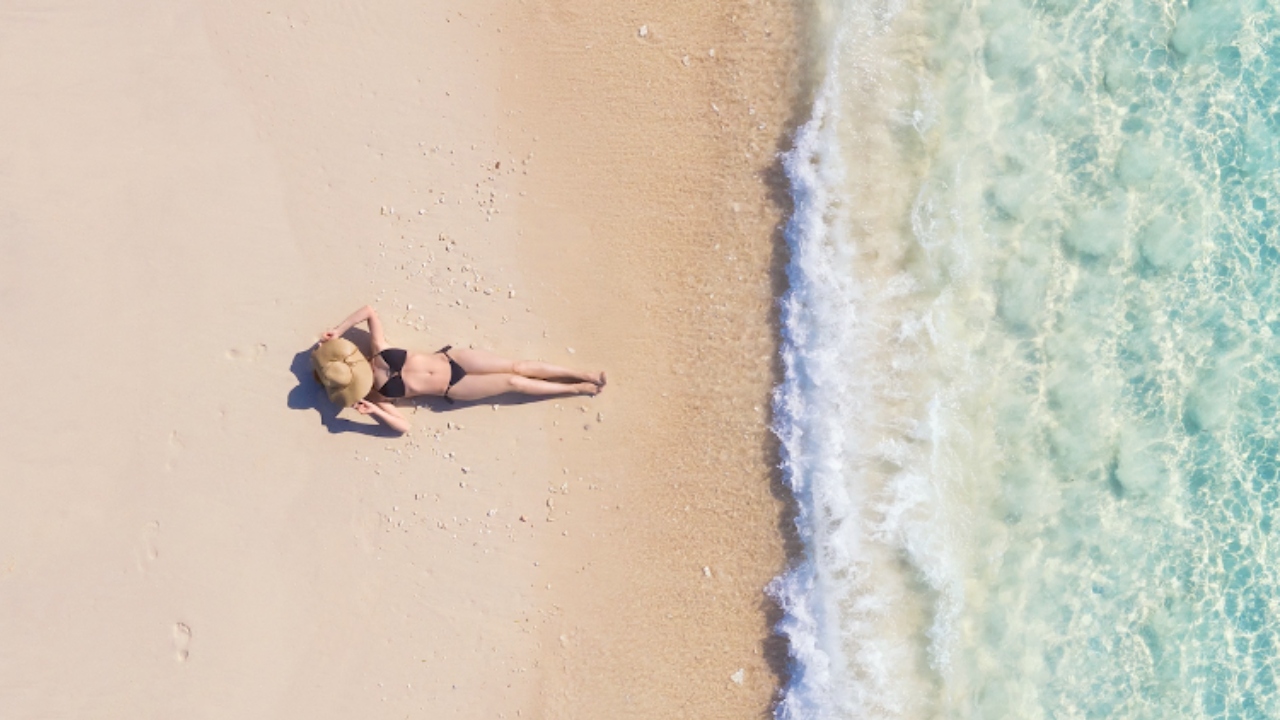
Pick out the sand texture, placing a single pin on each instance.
(191, 191)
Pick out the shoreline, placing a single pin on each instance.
(683, 223)
(203, 187)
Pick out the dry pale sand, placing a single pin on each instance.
(190, 191)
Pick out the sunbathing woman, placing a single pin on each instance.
(352, 380)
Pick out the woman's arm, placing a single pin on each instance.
(385, 413)
(365, 313)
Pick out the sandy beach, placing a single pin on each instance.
(192, 191)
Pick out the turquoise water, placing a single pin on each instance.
(1030, 405)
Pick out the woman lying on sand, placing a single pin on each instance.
(352, 380)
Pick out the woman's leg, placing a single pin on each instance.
(479, 361)
(479, 386)
(547, 371)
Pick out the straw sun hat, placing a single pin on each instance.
(343, 370)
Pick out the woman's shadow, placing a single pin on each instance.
(310, 395)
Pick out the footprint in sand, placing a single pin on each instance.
(149, 550)
(250, 354)
(175, 449)
(181, 641)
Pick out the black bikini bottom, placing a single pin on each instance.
(456, 372)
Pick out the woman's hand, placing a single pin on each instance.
(385, 413)
(364, 314)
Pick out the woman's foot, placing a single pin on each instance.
(600, 380)
(587, 388)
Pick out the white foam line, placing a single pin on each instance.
(823, 597)
(851, 654)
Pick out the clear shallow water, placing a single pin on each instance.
(1030, 406)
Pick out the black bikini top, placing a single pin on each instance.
(394, 358)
